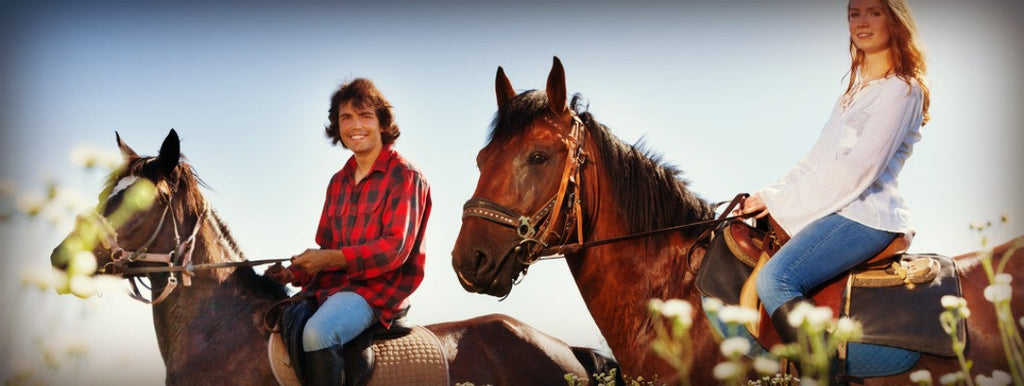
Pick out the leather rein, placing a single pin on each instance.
(535, 230)
(177, 260)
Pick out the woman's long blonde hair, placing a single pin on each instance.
(905, 51)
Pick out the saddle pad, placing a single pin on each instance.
(414, 359)
(721, 275)
(909, 318)
(891, 316)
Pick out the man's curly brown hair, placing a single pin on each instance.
(362, 93)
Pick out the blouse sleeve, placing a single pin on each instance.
(859, 159)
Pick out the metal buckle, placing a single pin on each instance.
(525, 229)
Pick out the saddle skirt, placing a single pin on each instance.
(895, 298)
(412, 359)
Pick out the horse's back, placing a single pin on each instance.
(984, 347)
(1006, 258)
(494, 349)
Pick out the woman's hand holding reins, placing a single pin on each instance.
(752, 206)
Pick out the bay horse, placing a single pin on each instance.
(551, 175)
(211, 331)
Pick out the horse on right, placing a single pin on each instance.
(555, 180)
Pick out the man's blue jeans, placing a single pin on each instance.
(341, 318)
(824, 249)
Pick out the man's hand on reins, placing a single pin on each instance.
(312, 261)
(280, 274)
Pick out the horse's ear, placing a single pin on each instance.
(503, 88)
(126, 151)
(170, 153)
(556, 87)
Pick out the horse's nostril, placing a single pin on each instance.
(479, 260)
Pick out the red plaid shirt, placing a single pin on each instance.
(379, 225)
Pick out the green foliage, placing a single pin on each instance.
(608, 379)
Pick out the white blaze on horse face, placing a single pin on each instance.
(121, 185)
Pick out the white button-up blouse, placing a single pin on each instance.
(852, 168)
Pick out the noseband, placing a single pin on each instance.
(537, 231)
(121, 258)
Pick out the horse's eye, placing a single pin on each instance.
(538, 158)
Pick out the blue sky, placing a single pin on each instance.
(733, 93)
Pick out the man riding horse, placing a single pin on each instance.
(371, 233)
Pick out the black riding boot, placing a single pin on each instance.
(324, 367)
(780, 319)
(787, 333)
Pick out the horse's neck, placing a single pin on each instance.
(218, 311)
(617, 281)
(215, 245)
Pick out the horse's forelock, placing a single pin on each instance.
(188, 182)
(513, 119)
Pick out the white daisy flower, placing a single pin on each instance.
(83, 263)
(1003, 278)
(738, 315)
(735, 346)
(799, 314)
(921, 376)
(655, 305)
(713, 305)
(819, 317)
(678, 309)
(998, 292)
(82, 286)
(30, 203)
(847, 329)
(765, 365)
(726, 370)
(951, 378)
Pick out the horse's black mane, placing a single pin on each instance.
(187, 190)
(651, 192)
(188, 182)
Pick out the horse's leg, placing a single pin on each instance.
(984, 346)
(499, 350)
(596, 363)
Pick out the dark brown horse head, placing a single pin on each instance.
(520, 171)
(144, 202)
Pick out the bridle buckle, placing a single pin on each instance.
(525, 229)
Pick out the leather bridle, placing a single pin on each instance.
(122, 259)
(177, 260)
(538, 232)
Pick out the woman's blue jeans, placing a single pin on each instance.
(821, 251)
(341, 318)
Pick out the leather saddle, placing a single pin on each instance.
(413, 359)
(884, 269)
(360, 355)
(890, 280)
